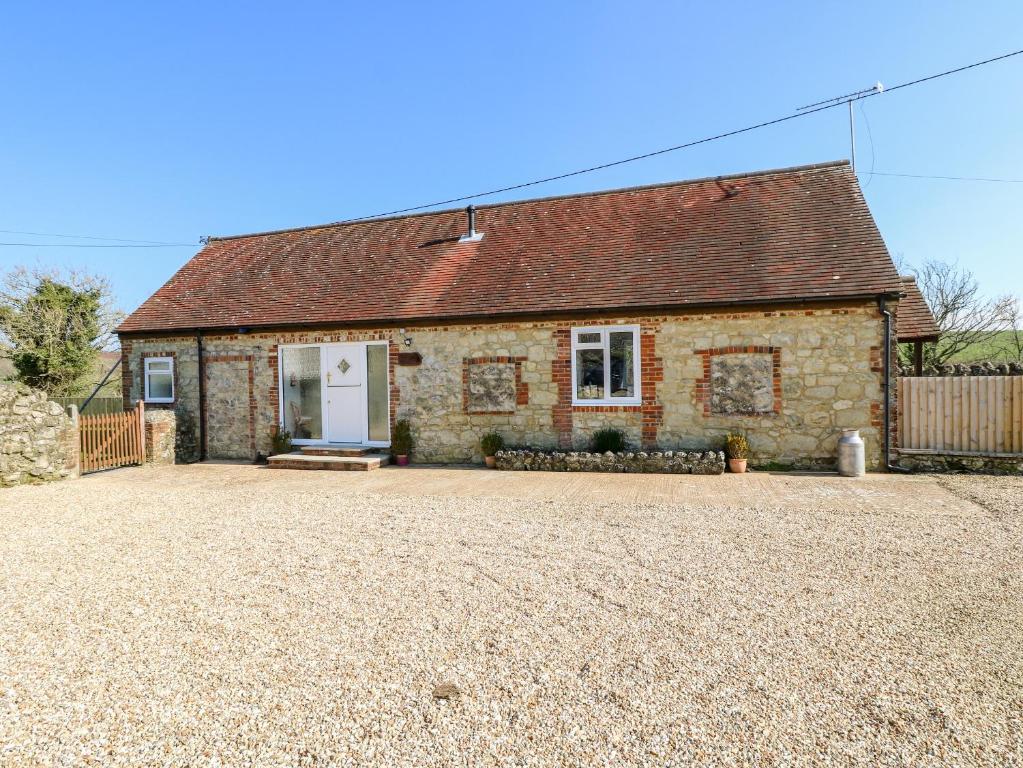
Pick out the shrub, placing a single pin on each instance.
(737, 447)
(491, 443)
(401, 438)
(280, 441)
(608, 439)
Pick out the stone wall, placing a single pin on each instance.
(38, 440)
(662, 462)
(160, 436)
(789, 378)
(961, 463)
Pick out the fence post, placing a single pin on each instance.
(76, 448)
(142, 431)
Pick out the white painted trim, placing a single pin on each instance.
(323, 440)
(145, 379)
(605, 332)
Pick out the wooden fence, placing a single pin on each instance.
(96, 405)
(969, 414)
(113, 439)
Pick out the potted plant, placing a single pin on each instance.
(491, 443)
(737, 450)
(608, 439)
(401, 442)
(280, 441)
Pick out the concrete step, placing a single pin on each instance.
(337, 450)
(300, 460)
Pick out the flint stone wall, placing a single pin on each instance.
(961, 463)
(491, 388)
(741, 384)
(664, 462)
(160, 437)
(38, 440)
(966, 369)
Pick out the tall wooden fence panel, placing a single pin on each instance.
(969, 414)
(96, 405)
(113, 439)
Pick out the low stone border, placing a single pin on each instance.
(960, 462)
(667, 462)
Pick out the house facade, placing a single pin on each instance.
(760, 303)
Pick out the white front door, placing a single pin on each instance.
(345, 378)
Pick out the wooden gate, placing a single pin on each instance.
(113, 439)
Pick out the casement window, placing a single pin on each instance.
(159, 376)
(605, 365)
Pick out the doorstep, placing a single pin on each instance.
(302, 460)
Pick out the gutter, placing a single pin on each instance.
(886, 387)
(503, 317)
(202, 395)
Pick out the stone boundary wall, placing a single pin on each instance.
(38, 440)
(966, 369)
(961, 463)
(666, 462)
(161, 435)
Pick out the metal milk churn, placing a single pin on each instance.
(851, 462)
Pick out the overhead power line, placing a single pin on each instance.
(97, 245)
(946, 178)
(802, 113)
(90, 237)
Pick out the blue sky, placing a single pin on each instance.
(177, 120)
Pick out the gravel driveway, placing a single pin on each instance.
(229, 615)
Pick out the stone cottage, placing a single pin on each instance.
(763, 303)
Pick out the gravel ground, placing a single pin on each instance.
(235, 616)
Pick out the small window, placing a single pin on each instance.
(605, 366)
(159, 373)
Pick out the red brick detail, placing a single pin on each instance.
(703, 383)
(126, 378)
(273, 395)
(651, 373)
(521, 387)
(253, 405)
(561, 373)
(394, 394)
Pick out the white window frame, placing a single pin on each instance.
(170, 372)
(604, 344)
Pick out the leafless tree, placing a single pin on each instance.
(963, 313)
(1013, 346)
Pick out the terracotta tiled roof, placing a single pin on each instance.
(766, 237)
(915, 323)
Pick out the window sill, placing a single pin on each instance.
(630, 401)
(158, 401)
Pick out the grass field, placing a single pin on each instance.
(999, 347)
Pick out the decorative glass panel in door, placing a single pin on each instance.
(376, 393)
(301, 393)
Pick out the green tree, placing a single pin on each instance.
(52, 327)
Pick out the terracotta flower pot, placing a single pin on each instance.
(738, 466)
(401, 460)
(490, 461)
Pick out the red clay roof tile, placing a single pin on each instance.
(766, 237)
(915, 321)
